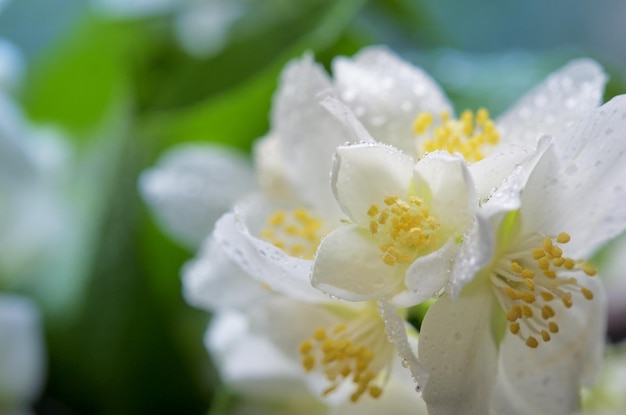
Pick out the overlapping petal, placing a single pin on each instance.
(459, 353)
(386, 93)
(578, 187)
(364, 174)
(348, 266)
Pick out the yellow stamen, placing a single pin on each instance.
(469, 135)
(529, 283)
(404, 229)
(298, 233)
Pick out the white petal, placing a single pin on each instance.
(450, 186)
(348, 266)
(203, 28)
(457, 349)
(490, 172)
(270, 171)
(386, 94)
(365, 174)
(263, 261)
(287, 323)
(250, 364)
(213, 281)
(578, 186)
(427, 276)
(548, 379)
(562, 99)
(355, 131)
(308, 134)
(192, 186)
(21, 352)
(475, 252)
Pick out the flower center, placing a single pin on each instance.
(469, 135)
(357, 351)
(531, 287)
(403, 228)
(296, 232)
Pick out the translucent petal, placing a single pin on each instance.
(427, 276)
(270, 171)
(490, 172)
(287, 323)
(578, 185)
(22, 363)
(308, 134)
(263, 261)
(250, 363)
(562, 99)
(450, 186)
(548, 379)
(192, 186)
(348, 266)
(214, 282)
(365, 174)
(457, 350)
(387, 93)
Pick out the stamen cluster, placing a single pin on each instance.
(403, 228)
(341, 356)
(527, 291)
(469, 135)
(298, 232)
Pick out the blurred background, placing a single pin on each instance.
(104, 87)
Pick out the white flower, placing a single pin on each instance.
(391, 98)
(267, 373)
(527, 329)
(21, 354)
(405, 223)
(401, 105)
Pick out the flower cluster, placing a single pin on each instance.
(315, 281)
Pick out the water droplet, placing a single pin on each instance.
(405, 363)
(348, 95)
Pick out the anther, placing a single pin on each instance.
(532, 342)
(587, 293)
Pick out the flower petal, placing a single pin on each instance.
(287, 323)
(263, 261)
(490, 172)
(581, 181)
(386, 94)
(270, 171)
(563, 98)
(364, 174)
(548, 379)
(427, 276)
(21, 352)
(458, 351)
(250, 363)
(192, 186)
(213, 281)
(450, 185)
(308, 134)
(348, 266)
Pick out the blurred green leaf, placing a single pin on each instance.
(76, 82)
(241, 114)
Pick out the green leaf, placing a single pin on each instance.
(75, 83)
